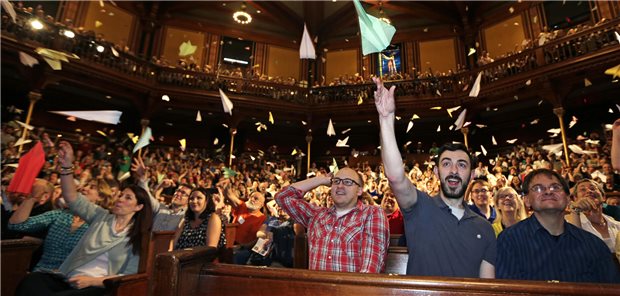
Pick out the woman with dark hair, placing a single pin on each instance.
(202, 226)
(110, 247)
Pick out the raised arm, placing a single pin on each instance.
(138, 170)
(225, 188)
(65, 157)
(615, 145)
(403, 189)
(290, 199)
(23, 211)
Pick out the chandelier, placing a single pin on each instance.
(241, 16)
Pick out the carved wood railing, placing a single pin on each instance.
(99, 52)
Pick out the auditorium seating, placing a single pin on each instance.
(16, 257)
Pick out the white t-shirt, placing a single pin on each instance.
(613, 227)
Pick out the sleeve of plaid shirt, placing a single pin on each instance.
(292, 202)
(36, 223)
(375, 241)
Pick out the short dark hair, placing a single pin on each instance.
(525, 187)
(454, 147)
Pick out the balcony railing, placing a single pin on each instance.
(88, 48)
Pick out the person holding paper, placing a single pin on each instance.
(446, 238)
(110, 247)
(348, 236)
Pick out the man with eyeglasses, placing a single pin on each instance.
(545, 246)
(444, 236)
(348, 236)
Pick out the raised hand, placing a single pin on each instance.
(384, 98)
(138, 168)
(65, 154)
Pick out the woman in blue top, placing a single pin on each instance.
(110, 247)
(202, 226)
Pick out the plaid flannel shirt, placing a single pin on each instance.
(355, 242)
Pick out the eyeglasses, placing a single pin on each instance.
(181, 192)
(477, 191)
(345, 181)
(542, 188)
(507, 196)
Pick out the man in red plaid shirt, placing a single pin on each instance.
(349, 236)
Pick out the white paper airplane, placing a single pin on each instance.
(511, 141)
(460, 120)
(330, 128)
(475, 90)
(21, 141)
(484, 151)
(345, 131)
(26, 59)
(27, 126)
(306, 49)
(104, 116)
(409, 126)
(198, 116)
(8, 7)
(144, 140)
(450, 110)
(342, 143)
(493, 140)
(226, 103)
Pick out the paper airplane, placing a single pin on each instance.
(493, 140)
(593, 142)
(303, 122)
(450, 110)
(535, 121)
(436, 108)
(270, 117)
(554, 130)
(27, 126)
(26, 59)
(587, 82)
(481, 125)
(53, 58)
(294, 152)
(409, 126)
(415, 116)
(511, 9)
(144, 140)
(376, 35)
(613, 71)
(471, 51)
(165, 98)
(617, 36)
(198, 116)
(342, 143)
(475, 89)
(102, 133)
(226, 103)
(397, 117)
(460, 120)
(581, 138)
(124, 176)
(21, 141)
(228, 172)
(114, 52)
(553, 148)
(511, 141)
(334, 167)
(438, 128)
(345, 131)
(186, 49)
(260, 126)
(104, 116)
(408, 143)
(330, 129)
(183, 143)
(360, 100)
(98, 24)
(216, 141)
(484, 151)
(578, 150)
(528, 82)
(438, 93)
(8, 7)
(572, 122)
(306, 49)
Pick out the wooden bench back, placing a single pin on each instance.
(231, 280)
(15, 259)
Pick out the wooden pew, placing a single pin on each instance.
(178, 271)
(231, 280)
(15, 260)
(394, 238)
(141, 283)
(226, 254)
(396, 261)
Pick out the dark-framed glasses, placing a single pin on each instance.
(345, 181)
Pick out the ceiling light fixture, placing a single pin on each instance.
(382, 16)
(241, 16)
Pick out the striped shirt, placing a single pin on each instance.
(356, 242)
(59, 240)
(527, 251)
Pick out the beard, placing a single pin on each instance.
(251, 206)
(454, 193)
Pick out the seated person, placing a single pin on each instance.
(479, 193)
(510, 209)
(279, 236)
(110, 247)
(392, 211)
(202, 226)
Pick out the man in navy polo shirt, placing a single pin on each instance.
(444, 236)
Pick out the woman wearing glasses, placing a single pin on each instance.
(479, 193)
(348, 236)
(510, 209)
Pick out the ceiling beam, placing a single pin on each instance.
(417, 9)
(280, 13)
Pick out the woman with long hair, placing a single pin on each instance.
(202, 226)
(110, 247)
(510, 209)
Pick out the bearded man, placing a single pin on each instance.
(445, 237)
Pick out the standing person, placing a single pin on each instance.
(202, 226)
(348, 236)
(545, 247)
(110, 247)
(445, 237)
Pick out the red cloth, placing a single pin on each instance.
(29, 167)
(397, 225)
(246, 231)
(355, 242)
